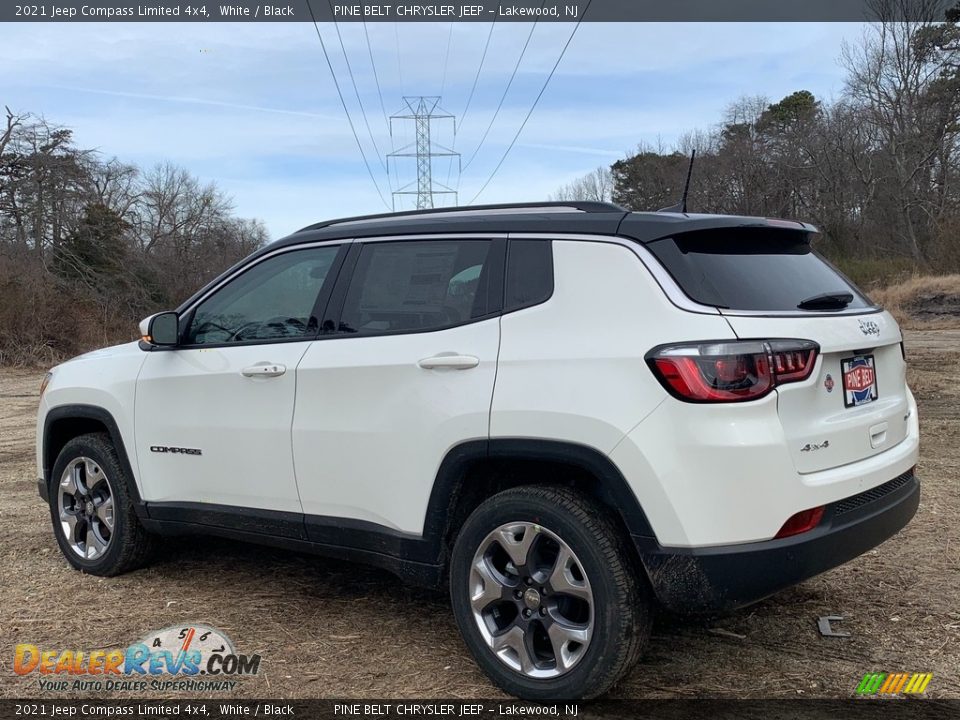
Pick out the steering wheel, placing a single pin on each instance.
(281, 323)
(287, 323)
(211, 324)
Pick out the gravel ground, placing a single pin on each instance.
(328, 629)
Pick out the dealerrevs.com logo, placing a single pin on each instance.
(193, 658)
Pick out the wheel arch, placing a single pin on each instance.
(475, 470)
(65, 422)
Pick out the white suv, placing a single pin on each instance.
(568, 413)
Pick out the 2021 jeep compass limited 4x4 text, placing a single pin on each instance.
(567, 413)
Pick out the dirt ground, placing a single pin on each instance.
(328, 629)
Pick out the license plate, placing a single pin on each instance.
(859, 380)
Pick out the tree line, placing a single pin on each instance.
(877, 169)
(90, 245)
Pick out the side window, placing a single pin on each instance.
(529, 278)
(415, 286)
(273, 300)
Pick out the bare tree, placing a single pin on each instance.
(595, 186)
(902, 78)
(88, 246)
(13, 122)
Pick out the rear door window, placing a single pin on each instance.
(757, 269)
(414, 286)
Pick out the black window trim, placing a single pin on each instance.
(334, 313)
(545, 237)
(319, 305)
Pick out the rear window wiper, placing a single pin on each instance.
(827, 301)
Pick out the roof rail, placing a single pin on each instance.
(573, 206)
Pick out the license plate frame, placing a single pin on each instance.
(859, 377)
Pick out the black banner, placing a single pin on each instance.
(347, 709)
(469, 11)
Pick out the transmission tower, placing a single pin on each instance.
(423, 110)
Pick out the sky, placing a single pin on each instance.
(254, 108)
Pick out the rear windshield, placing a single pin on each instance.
(752, 269)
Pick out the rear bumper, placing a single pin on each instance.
(720, 578)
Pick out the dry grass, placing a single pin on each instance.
(923, 301)
(328, 629)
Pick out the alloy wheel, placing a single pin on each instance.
(85, 506)
(531, 600)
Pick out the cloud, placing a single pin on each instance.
(254, 108)
(600, 152)
(192, 101)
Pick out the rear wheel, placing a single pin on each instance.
(93, 515)
(546, 595)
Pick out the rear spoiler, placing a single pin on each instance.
(647, 227)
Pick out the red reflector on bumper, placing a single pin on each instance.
(801, 522)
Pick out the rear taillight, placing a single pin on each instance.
(801, 522)
(731, 371)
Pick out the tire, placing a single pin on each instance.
(93, 514)
(589, 609)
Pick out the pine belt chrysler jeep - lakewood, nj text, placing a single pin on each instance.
(566, 413)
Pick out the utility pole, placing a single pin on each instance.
(423, 110)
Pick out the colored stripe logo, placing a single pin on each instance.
(894, 683)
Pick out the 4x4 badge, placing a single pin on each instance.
(869, 327)
(828, 383)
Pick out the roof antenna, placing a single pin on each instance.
(681, 207)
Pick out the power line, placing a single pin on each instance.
(396, 34)
(504, 96)
(473, 89)
(537, 100)
(446, 60)
(373, 64)
(344, 104)
(363, 112)
(383, 108)
(443, 84)
(477, 78)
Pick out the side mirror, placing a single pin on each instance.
(162, 330)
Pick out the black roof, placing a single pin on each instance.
(549, 217)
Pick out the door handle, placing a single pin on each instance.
(451, 360)
(264, 370)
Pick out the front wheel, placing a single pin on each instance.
(94, 519)
(546, 595)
